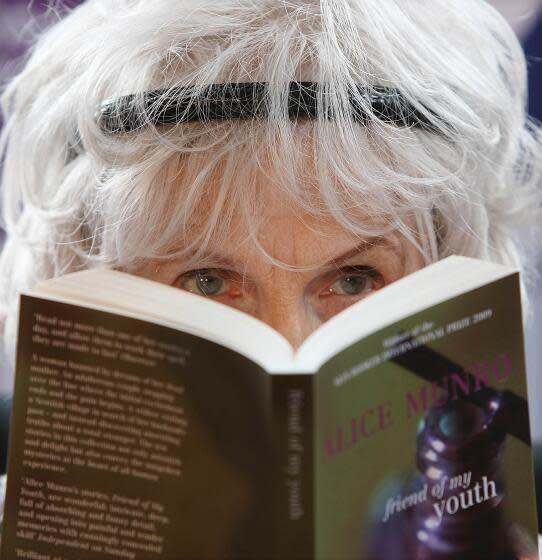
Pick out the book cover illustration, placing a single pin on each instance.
(423, 447)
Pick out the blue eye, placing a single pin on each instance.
(208, 284)
(204, 282)
(353, 285)
(355, 282)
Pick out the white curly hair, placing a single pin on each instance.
(76, 197)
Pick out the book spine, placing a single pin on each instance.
(293, 492)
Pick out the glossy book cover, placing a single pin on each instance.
(423, 447)
(131, 439)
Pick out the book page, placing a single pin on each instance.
(133, 296)
(132, 440)
(422, 437)
(428, 286)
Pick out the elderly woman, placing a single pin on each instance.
(284, 158)
(366, 139)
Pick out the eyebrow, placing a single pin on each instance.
(363, 247)
(215, 259)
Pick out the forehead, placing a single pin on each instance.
(281, 229)
(253, 200)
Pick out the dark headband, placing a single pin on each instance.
(248, 101)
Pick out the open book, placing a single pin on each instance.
(152, 423)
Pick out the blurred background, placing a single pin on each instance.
(20, 19)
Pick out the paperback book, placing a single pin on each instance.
(151, 423)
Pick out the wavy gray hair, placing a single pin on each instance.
(75, 196)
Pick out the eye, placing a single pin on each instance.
(351, 285)
(354, 281)
(206, 282)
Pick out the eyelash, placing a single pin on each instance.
(359, 269)
(331, 278)
(369, 274)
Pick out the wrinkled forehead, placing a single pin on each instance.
(265, 180)
(270, 216)
(235, 182)
(256, 199)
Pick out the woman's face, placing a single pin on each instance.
(328, 269)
